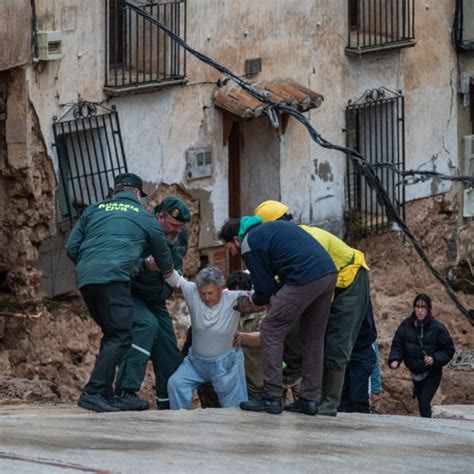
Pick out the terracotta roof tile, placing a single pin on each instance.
(235, 100)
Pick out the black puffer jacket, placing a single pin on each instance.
(413, 341)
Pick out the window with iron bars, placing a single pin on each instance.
(139, 55)
(90, 153)
(376, 25)
(374, 128)
(463, 25)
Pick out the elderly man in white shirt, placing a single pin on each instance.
(212, 357)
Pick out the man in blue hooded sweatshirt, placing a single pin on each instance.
(292, 273)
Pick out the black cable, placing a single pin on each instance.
(457, 26)
(360, 163)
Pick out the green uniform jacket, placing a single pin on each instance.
(150, 286)
(109, 238)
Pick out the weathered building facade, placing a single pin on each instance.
(388, 74)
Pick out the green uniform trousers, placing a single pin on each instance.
(348, 311)
(153, 338)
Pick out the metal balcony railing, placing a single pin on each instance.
(376, 25)
(138, 54)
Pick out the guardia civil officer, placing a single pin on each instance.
(106, 245)
(153, 334)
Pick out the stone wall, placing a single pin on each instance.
(27, 183)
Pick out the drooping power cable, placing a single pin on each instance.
(359, 161)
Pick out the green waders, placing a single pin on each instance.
(153, 338)
(348, 311)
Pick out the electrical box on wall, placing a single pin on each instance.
(468, 155)
(468, 203)
(253, 66)
(198, 163)
(50, 45)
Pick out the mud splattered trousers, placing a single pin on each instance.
(226, 372)
(153, 338)
(310, 304)
(348, 311)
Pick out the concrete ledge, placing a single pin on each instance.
(45, 439)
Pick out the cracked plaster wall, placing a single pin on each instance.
(15, 33)
(159, 127)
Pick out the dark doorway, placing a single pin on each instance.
(254, 168)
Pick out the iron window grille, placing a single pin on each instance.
(463, 26)
(376, 25)
(90, 153)
(375, 128)
(140, 55)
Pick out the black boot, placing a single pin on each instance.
(129, 401)
(308, 407)
(96, 402)
(266, 403)
(162, 404)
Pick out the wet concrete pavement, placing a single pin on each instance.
(64, 438)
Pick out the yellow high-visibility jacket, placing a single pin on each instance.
(347, 259)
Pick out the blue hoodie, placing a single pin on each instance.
(278, 253)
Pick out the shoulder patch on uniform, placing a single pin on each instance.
(112, 206)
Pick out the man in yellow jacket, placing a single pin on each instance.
(348, 309)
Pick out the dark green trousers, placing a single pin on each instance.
(153, 338)
(348, 311)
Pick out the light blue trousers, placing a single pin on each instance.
(226, 373)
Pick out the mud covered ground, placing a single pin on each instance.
(49, 358)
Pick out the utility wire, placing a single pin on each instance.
(360, 163)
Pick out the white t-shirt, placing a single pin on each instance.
(213, 328)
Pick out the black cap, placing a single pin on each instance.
(129, 179)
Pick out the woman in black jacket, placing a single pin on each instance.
(425, 346)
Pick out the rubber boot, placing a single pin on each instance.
(332, 390)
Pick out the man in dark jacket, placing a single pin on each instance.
(292, 272)
(106, 244)
(153, 336)
(425, 346)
